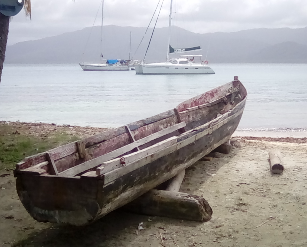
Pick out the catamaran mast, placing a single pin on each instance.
(169, 30)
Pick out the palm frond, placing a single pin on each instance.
(27, 7)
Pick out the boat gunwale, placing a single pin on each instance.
(182, 140)
(134, 126)
(70, 148)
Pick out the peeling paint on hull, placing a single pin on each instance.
(210, 120)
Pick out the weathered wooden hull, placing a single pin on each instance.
(84, 198)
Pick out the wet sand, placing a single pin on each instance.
(292, 133)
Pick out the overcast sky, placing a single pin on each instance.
(53, 17)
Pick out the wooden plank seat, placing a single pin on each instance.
(90, 164)
(130, 158)
(79, 146)
(134, 161)
(37, 169)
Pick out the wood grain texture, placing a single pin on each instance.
(276, 166)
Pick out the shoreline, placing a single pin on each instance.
(273, 133)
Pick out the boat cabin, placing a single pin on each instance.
(186, 59)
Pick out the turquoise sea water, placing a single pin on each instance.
(64, 94)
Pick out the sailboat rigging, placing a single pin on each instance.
(185, 64)
(107, 64)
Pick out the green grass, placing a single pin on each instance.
(15, 147)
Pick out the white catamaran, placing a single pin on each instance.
(185, 64)
(107, 64)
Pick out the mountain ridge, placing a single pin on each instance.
(283, 45)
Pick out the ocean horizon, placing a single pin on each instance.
(64, 94)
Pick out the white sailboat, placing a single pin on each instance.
(185, 64)
(106, 64)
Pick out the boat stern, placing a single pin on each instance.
(69, 201)
(139, 69)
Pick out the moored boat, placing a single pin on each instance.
(185, 64)
(109, 65)
(83, 181)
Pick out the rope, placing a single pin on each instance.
(89, 35)
(147, 29)
(153, 30)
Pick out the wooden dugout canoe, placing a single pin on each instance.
(82, 181)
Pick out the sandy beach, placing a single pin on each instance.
(251, 207)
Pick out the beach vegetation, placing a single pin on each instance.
(15, 146)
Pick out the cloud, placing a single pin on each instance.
(59, 16)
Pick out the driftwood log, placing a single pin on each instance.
(275, 162)
(171, 203)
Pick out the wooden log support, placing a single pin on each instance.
(171, 203)
(275, 162)
(206, 158)
(176, 182)
(224, 148)
(234, 142)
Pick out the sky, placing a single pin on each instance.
(54, 17)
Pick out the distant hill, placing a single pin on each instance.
(286, 52)
(282, 45)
